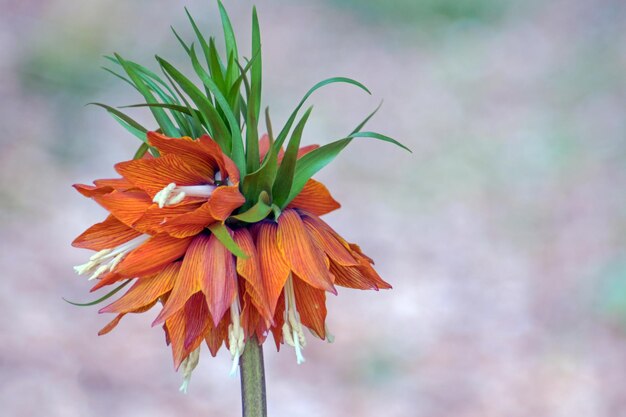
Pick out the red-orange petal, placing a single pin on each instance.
(145, 291)
(111, 325)
(217, 335)
(151, 256)
(323, 235)
(304, 257)
(223, 201)
(126, 206)
(250, 270)
(274, 267)
(311, 304)
(315, 198)
(92, 190)
(187, 282)
(217, 274)
(108, 234)
(197, 320)
(152, 175)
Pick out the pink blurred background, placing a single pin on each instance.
(503, 234)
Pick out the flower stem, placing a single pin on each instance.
(253, 380)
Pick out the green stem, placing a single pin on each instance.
(253, 380)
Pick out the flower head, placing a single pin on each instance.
(217, 227)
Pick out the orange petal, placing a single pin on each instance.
(154, 218)
(274, 267)
(111, 325)
(314, 198)
(91, 190)
(197, 321)
(218, 208)
(107, 279)
(126, 206)
(250, 270)
(217, 335)
(362, 277)
(187, 282)
(120, 184)
(279, 320)
(175, 326)
(303, 256)
(108, 234)
(152, 175)
(323, 235)
(311, 304)
(217, 275)
(145, 291)
(152, 255)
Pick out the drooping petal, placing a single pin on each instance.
(274, 267)
(188, 281)
(152, 175)
(155, 217)
(250, 269)
(279, 320)
(197, 320)
(175, 326)
(113, 323)
(145, 291)
(323, 236)
(153, 255)
(311, 305)
(314, 198)
(92, 190)
(217, 335)
(223, 201)
(303, 256)
(362, 277)
(217, 275)
(105, 235)
(126, 206)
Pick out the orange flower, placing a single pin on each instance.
(156, 232)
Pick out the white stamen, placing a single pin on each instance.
(235, 336)
(107, 259)
(188, 365)
(173, 194)
(292, 328)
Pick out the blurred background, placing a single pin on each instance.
(503, 234)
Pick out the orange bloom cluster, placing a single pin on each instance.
(157, 233)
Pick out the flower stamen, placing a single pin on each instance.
(173, 194)
(292, 328)
(107, 259)
(188, 365)
(235, 335)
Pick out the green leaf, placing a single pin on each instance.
(141, 151)
(101, 299)
(285, 176)
(268, 126)
(257, 212)
(312, 162)
(223, 235)
(237, 153)
(285, 131)
(218, 128)
(127, 123)
(159, 114)
(262, 179)
(254, 98)
(367, 119)
(229, 40)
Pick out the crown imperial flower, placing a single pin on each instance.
(217, 226)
